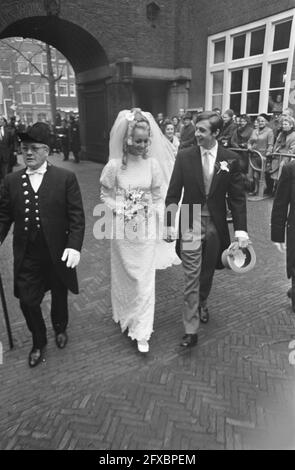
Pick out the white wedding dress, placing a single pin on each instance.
(133, 261)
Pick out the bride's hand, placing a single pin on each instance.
(170, 235)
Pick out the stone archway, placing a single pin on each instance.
(93, 74)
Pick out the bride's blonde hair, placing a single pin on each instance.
(139, 122)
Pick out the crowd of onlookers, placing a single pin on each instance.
(64, 137)
(272, 136)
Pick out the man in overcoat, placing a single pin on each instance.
(283, 221)
(6, 148)
(44, 203)
(204, 174)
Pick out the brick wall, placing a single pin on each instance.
(211, 17)
(178, 37)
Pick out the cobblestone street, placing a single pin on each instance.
(234, 390)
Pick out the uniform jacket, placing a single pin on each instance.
(61, 215)
(187, 175)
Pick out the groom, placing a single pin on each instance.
(207, 174)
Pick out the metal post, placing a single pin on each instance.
(5, 314)
(261, 182)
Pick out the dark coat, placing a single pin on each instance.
(6, 145)
(240, 136)
(61, 213)
(283, 214)
(188, 175)
(226, 134)
(187, 136)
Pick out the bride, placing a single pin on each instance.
(134, 184)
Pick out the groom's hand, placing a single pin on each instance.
(243, 242)
(170, 234)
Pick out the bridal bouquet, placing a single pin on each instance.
(135, 204)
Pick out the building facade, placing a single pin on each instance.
(25, 88)
(164, 55)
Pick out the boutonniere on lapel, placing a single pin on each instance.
(221, 166)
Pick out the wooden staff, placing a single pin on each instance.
(6, 317)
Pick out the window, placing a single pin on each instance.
(253, 91)
(249, 67)
(63, 71)
(219, 51)
(53, 53)
(22, 66)
(277, 87)
(40, 94)
(54, 68)
(37, 61)
(257, 42)
(63, 89)
(5, 68)
(236, 90)
(25, 91)
(282, 35)
(239, 46)
(72, 89)
(71, 72)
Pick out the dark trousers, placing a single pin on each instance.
(199, 253)
(36, 275)
(293, 293)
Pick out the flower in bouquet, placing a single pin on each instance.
(135, 204)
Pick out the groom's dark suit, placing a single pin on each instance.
(188, 176)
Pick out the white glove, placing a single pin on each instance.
(72, 256)
(281, 247)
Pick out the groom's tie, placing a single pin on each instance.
(207, 175)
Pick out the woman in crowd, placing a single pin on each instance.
(262, 140)
(285, 144)
(133, 186)
(169, 132)
(242, 133)
(229, 127)
(240, 139)
(177, 126)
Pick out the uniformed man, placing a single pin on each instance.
(44, 203)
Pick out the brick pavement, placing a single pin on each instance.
(235, 390)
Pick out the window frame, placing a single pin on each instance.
(29, 92)
(65, 85)
(74, 88)
(36, 86)
(266, 59)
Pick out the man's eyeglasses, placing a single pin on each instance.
(33, 148)
(140, 141)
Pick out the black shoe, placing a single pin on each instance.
(189, 340)
(61, 340)
(203, 314)
(36, 356)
